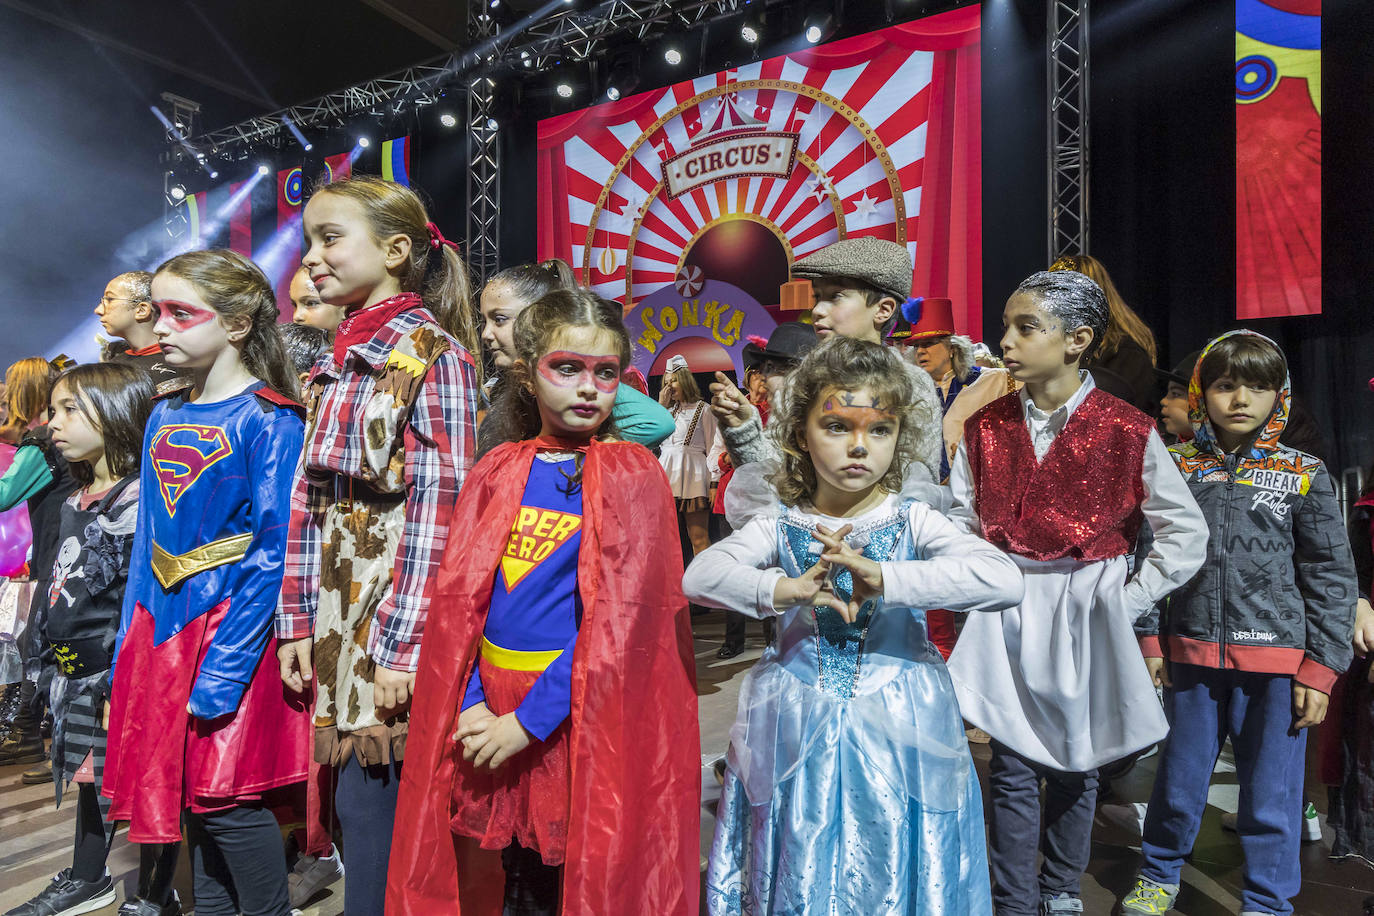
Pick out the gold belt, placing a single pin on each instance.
(517, 659)
(171, 569)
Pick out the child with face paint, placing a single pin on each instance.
(555, 710)
(1061, 476)
(637, 416)
(849, 777)
(390, 437)
(859, 284)
(200, 730)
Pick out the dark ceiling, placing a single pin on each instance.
(241, 58)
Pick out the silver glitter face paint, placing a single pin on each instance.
(1071, 297)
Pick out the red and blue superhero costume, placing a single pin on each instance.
(633, 757)
(198, 615)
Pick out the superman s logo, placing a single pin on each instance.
(180, 454)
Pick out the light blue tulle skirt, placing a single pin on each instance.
(860, 806)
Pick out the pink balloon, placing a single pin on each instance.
(15, 533)
(15, 537)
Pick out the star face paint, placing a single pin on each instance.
(575, 385)
(1035, 341)
(852, 439)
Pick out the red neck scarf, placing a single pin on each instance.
(363, 325)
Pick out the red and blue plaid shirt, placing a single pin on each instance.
(440, 442)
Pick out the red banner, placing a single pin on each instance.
(734, 176)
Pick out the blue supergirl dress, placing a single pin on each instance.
(850, 789)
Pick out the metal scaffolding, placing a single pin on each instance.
(1068, 127)
(484, 151)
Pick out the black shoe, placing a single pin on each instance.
(68, 896)
(22, 747)
(37, 776)
(136, 906)
(729, 651)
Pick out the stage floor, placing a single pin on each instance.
(35, 840)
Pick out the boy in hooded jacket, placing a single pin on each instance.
(1250, 647)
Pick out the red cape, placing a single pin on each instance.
(634, 824)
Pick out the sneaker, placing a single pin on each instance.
(312, 874)
(1150, 897)
(137, 906)
(68, 896)
(1311, 824)
(1054, 906)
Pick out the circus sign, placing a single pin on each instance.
(734, 147)
(733, 176)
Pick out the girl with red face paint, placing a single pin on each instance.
(564, 650)
(390, 436)
(200, 732)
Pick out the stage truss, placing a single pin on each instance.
(1067, 153)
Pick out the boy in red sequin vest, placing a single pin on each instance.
(1061, 476)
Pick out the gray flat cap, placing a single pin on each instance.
(883, 265)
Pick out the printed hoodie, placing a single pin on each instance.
(1277, 593)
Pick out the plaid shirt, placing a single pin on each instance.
(440, 441)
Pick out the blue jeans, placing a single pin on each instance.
(1017, 832)
(365, 804)
(1205, 706)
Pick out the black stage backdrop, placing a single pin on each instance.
(1162, 185)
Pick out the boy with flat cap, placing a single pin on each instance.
(859, 284)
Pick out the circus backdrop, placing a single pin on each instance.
(689, 204)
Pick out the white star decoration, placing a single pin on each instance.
(865, 208)
(820, 187)
(633, 203)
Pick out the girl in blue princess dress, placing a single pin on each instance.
(850, 789)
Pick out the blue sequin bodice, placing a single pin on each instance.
(839, 645)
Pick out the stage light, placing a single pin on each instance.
(263, 170)
(612, 93)
(673, 56)
(309, 147)
(448, 120)
(819, 27)
(214, 174)
(491, 124)
(178, 192)
(564, 91)
(749, 34)
(494, 4)
(364, 142)
(525, 58)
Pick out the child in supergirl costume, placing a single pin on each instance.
(850, 788)
(199, 721)
(555, 709)
(390, 437)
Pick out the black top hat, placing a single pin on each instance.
(789, 342)
(1181, 374)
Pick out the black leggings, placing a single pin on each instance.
(532, 888)
(93, 835)
(237, 863)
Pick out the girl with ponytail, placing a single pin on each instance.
(390, 436)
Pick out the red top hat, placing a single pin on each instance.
(937, 319)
